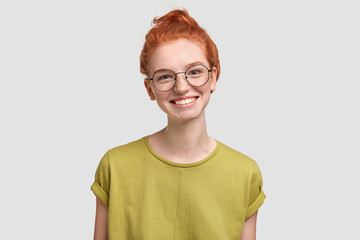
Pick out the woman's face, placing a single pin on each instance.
(178, 56)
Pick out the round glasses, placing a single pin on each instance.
(165, 79)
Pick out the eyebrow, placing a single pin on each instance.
(186, 66)
(193, 63)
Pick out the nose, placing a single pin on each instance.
(181, 84)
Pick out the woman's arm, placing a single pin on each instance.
(101, 221)
(249, 229)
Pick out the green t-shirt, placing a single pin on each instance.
(151, 198)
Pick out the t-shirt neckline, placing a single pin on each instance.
(182, 165)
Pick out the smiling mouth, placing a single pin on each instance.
(184, 101)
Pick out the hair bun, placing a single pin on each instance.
(175, 17)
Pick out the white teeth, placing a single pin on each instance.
(188, 100)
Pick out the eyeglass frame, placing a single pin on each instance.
(186, 77)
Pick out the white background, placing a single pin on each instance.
(288, 96)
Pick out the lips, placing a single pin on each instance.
(183, 101)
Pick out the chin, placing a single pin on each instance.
(182, 114)
(185, 116)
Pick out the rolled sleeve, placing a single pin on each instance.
(100, 193)
(256, 194)
(256, 205)
(101, 185)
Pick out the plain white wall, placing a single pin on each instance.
(287, 97)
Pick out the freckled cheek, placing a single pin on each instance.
(161, 96)
(204, 89)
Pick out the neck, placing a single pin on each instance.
(186, 134)
(184, 141)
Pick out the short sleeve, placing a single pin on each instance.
(101, 185)
(256, 194)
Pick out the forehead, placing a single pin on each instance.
(176, 55)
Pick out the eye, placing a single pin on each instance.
(164, 77)
(196, 71)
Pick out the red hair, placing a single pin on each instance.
(175, 25)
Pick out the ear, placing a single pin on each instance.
(149, 89)
(213, 79)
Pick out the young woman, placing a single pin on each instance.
(178, 183)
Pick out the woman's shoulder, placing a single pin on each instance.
(128, 148)
(235, 156)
